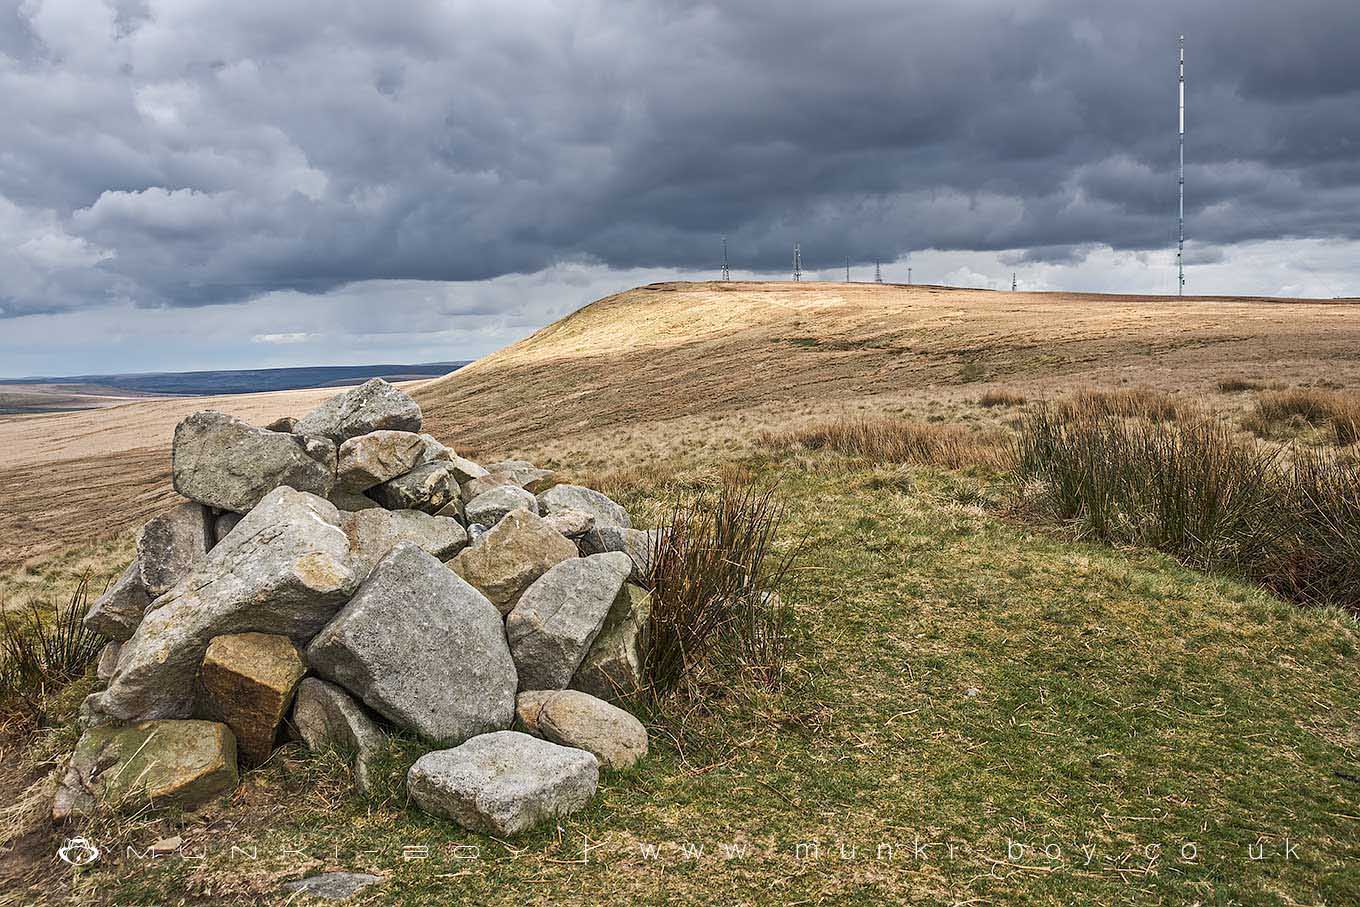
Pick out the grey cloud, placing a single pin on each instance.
(184, 155)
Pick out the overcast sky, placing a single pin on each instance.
(202, 184)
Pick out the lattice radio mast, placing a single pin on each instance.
(727, 271)
(878, 272)
(1012, 281)
(797, 262)
(908, 276)
(847, 269)
(1180, 181)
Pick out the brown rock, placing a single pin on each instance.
(517, 551)
(377, 457)
(248, 680)
(579, 720)
(285, 424)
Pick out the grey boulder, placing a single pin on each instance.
(428, 487)
(579, 720)
(571, 523)
(422, 648)
(371, 406)
(328, 718)
(558, 617)
(332, 886)
(224, 524)
(588, 500)
(523, 474)
(286, 569)
(638, 544)
(510, 556)
(490, 506)
(464, 470)
(367, 460)
(375, 532)
(222, 462)
(116, 614)
(503, 783)
(169, 544)
(613, 666)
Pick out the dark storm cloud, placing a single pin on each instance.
(186, 153)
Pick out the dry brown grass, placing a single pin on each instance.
(890, 439)
(704, 369)
(1130, 403)
(1001, 397)
(1275, 414)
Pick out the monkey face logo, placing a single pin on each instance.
(78, 852)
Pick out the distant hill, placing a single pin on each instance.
(245, 381)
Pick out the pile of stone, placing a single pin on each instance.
(340, 575)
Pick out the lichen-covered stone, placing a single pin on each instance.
(222, 462)
(372, 406)
(613, 664)
(489, 507)
(428, 488)
(375, 532)
(169, 544)
(510, 556)
(579, 720)
(117, 613)
(379, 456)
(577, 497)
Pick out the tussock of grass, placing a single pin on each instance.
(1201, 492)
(892, 439)
(1276, 414)
(1132, 402)
(40, 655)
(716, 611)
(1001, 397)
(1238, 385)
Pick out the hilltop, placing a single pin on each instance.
(700, 369)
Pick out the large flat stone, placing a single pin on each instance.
(169, 544)
(613, 666)
(152, 764)
(247, 681)
(367, 460)
(422, 648)
(285, 569)
(587, 500)
(503, 783)
(511, 555)
(559, 616)
(222, 462)
(372, 406)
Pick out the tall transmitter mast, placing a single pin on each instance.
(1180, 181)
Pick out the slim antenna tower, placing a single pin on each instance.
(847, 269)
(797, 262)
(727, 271)
(1180, 181)
(1012, 281)
(908, 276)
(878, 272)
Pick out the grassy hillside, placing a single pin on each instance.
(982, 710)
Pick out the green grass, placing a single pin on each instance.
(961, 679)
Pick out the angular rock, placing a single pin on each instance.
(612, 668)
(490, 506)
(108, 661)
(371, 406)
(571, 523)
(638, 544)
(374, 458)
(328, 718)
(285, 424)
(333, 886)
(224, 524)
(433, 449)
(476, 532)
(247, 681)
(579, 720)
(422, 648)
(464, 470)
(503, 783)
(222, 462)
(116, 614)
(169, 544)
(427, 488)
(479, 485)
(375, 532)
(588, 500)
(558, 617)
(285, 569)
(510, 556)
(524, 474)
(152, 764)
